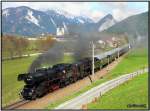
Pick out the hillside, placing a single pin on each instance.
(103, 24)
(125, 95)
(134, 25)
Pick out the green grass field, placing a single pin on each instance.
(134, 91)
(136, 59)
(10, 85)
(10, 70)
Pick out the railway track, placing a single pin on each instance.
(16, 104)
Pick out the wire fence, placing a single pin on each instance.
(98, 91)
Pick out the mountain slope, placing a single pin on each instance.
(103, 24)
(137, 24)
(106, 22)
(26, 21)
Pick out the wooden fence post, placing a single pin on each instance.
(84, 106)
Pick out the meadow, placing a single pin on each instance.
(134, 91)
(10, 85)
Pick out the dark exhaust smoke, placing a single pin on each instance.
(52, 56)
(83, 46)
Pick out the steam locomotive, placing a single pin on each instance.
(45, 80)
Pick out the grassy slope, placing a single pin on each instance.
(135, 60)
(10, 70)
(131, 92)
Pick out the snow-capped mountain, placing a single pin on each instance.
(67, 18)
(27, 21)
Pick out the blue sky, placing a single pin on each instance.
(94, 10)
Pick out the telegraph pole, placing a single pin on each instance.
(118, 44)
(93, 59)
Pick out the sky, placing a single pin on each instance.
(93, 10)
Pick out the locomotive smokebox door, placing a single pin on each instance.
(21, 77)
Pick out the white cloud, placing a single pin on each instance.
(96, 15)
(118, 9)
(120, 14)
(117, 4)
(121, 10)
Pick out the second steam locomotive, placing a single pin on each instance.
(45, 80)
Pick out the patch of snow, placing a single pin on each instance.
(53, 22)
(108, 23)
(31, 18)
(81, 21)
(87, 19)
(65, 27)
(6, 12)
(66, 14)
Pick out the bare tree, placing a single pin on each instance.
(8, 45)
(22, 45)
(14, 45)
(45, 43)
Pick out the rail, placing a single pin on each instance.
(16, 104)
